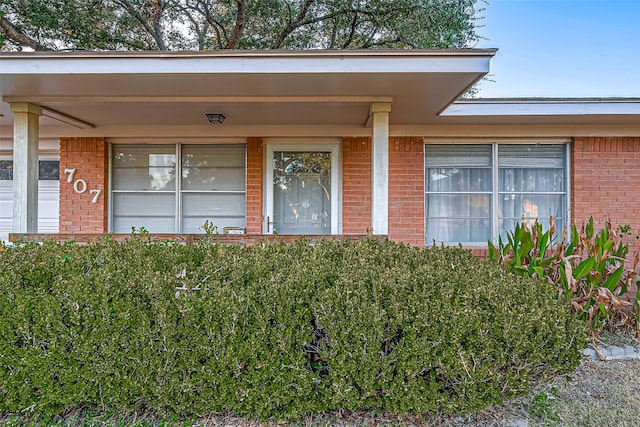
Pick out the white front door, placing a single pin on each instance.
(302, 189)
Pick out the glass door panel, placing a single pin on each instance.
(302, 188)
(302, 192)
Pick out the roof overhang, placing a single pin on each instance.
(124, 94)
(534, 118)
(544, 111)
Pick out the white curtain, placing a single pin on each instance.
(458, 193)
(532, 184)
(459, 189)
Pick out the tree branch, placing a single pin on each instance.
(200, 32)
(157, 9)
(386, 43)
(293, 25)
(354, 24)
(153, 30)
(16, 36)
(221, 33)
(334, 35)
(202, 8)
(239, 27)
(332, 15)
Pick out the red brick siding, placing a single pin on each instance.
(77, 213)
(605, 181)
(255, 173)
(356, 185)
(406, 190)
(479, 252)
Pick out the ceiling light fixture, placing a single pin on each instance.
(215, 118)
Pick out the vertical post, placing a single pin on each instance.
(26, 127)
(380, 168)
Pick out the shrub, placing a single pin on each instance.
(271, 330)
(590, 269)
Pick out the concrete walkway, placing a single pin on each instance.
(612, 352)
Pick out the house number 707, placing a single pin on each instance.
(80, 185)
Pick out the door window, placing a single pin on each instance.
(302, 189)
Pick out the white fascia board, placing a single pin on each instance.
(466, 61)
(571, 108)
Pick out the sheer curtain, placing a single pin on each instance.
(532, 184)
(302, 192)
(458, 193)
(460, 187)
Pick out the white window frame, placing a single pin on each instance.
(178, 219)
(336, 179)
(495, 171)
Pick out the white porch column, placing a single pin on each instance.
(380, 170)
(26, 127)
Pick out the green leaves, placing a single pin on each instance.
(590, 271)
(588, 229)
(250, 24)
(584, 268)
(272, 330)
(613, 280)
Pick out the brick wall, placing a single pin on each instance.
(406, 187)
(406, 190)
(605, 180)
(78, 212)
(356, 185)
(255, 165)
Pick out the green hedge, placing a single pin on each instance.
(271, 330)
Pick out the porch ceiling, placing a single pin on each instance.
(114, 90)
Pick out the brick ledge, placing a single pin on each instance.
(246, 239)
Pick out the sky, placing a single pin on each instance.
(562, 48)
